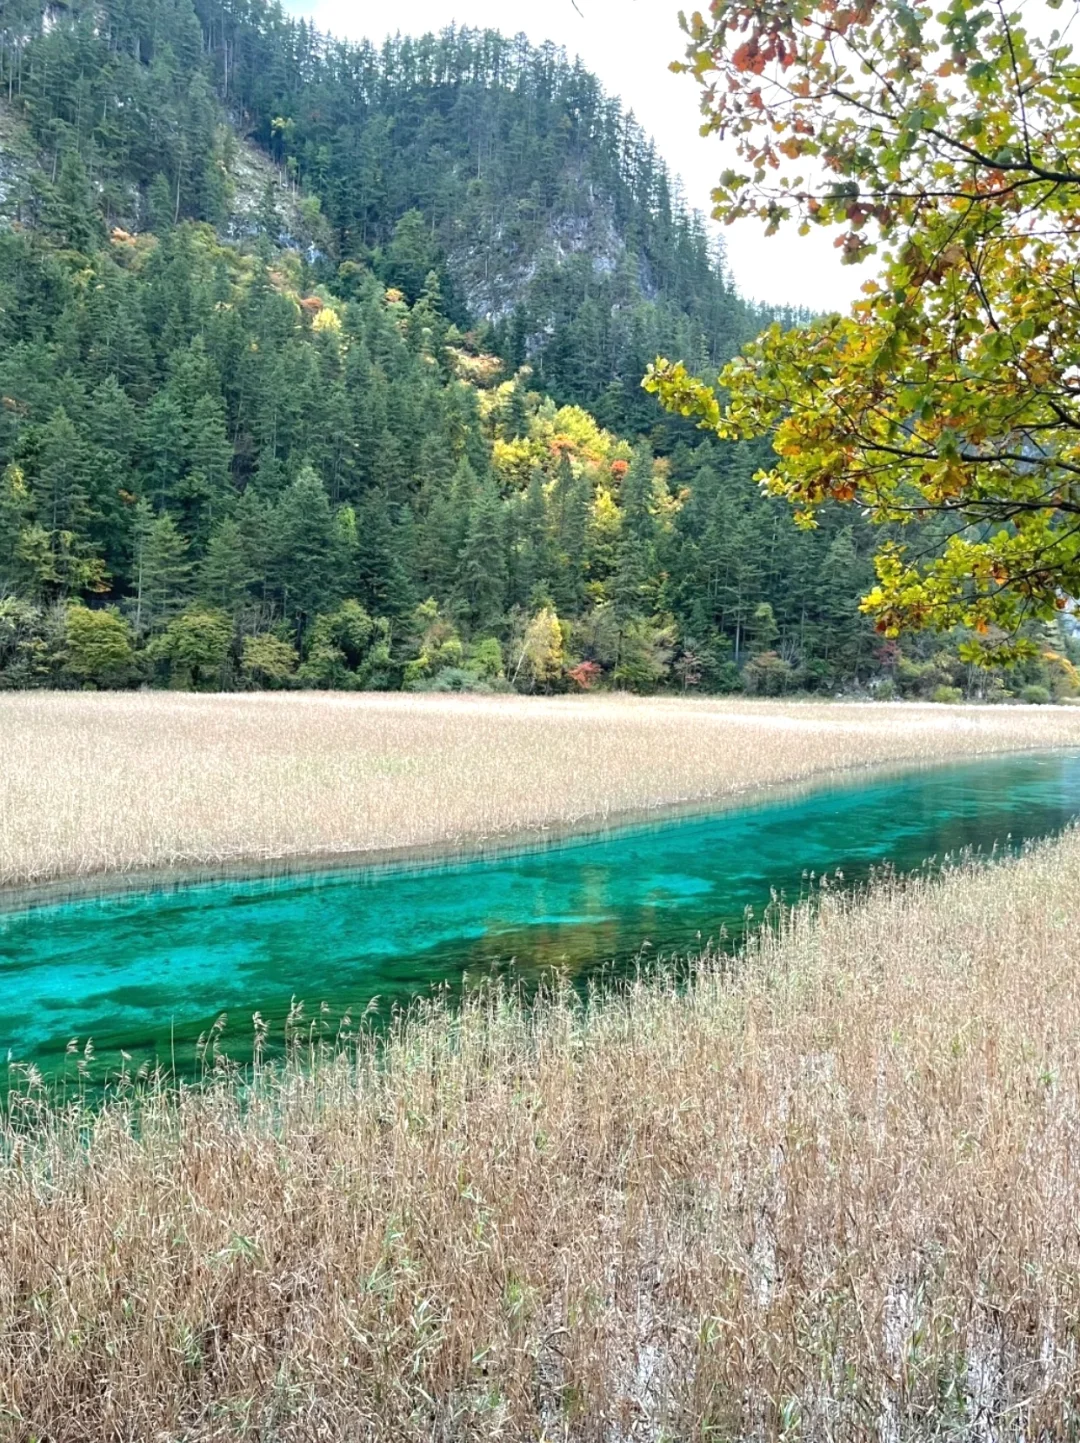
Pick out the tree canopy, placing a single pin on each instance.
(944, 145)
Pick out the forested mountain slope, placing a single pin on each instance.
(543, 207)
(320, 364)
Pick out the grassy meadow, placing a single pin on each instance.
(829, 1193)
(93, 784)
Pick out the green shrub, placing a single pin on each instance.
(645, 655)
(486, 658)
(452, 678)
(1035, 695)
(348, 650)
(195, 648)
(439, 646)
(728, 678)
(947, 694)
(33, 641)
(99, 646)
(268, 660)
(768, 674)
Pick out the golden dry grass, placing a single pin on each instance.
(115, 783)
(832, 1194)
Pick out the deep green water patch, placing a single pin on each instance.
(146, 973)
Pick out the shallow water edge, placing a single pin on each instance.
(145, 971)
(479, 847)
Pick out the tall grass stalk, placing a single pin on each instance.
(829, 1192)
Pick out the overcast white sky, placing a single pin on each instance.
(628, 44)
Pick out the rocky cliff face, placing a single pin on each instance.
(252, 178)
(495, 272)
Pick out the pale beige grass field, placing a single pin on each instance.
(97, 783)
(831, 1194)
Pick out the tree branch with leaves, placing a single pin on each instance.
(946, 146)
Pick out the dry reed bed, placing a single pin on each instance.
(832, 1194)
(115, 783)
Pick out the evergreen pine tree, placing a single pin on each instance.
(637, 543)
(70, 211)
(305, 549)
(160, 206)
(162, 570)
(226, 573)
(571, 503)
(483, 562)
(16, 513)
(382, 580)
(536, 563)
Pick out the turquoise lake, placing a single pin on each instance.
(148, 971)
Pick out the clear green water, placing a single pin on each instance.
(147, 972)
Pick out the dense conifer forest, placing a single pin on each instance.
(320, 365)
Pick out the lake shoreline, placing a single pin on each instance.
(109, 885)
(178, 790)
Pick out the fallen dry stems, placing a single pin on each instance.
(830, 1194)
(93, 784)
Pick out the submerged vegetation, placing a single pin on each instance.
(829, 1190)
(94, 785)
